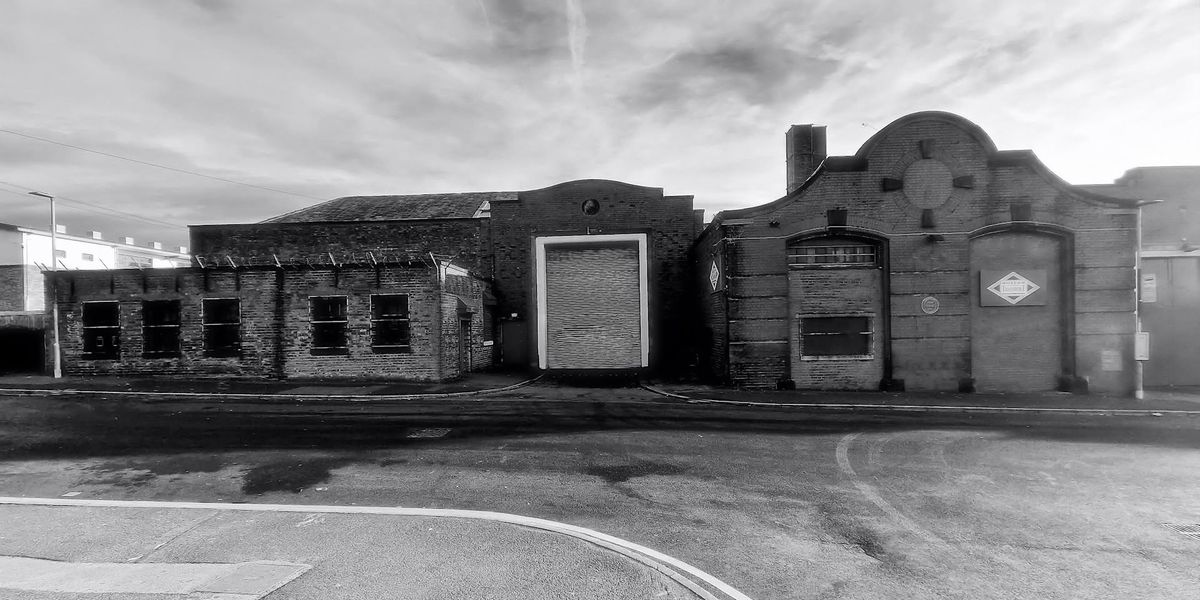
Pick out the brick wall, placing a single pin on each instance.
(836, 291)
(1019, 347)
(932, 351)
(276, 330)
(12, 287)
(711, 343)
(462, 299)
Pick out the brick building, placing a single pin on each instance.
(582, 276)
(25, 254)
(929, 260)
(419, 320)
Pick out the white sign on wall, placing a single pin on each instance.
(930, 305)
(1149, 287)
(1026, 287)
(1141, 346)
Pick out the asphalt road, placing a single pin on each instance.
(824, 509)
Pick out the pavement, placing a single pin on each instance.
(215, 551)
(216, 386)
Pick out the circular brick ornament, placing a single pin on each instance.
(930, 305)
(928, 183)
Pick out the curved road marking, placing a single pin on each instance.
(868, 490)
(651, 558)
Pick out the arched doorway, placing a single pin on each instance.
(839, 322)
(1018, 310)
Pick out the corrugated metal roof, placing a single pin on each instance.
(395, 208)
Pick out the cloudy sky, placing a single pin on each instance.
(326, 99)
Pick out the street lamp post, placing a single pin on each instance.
(53, 283)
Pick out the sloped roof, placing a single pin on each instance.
(394, 208)
(1110, 189)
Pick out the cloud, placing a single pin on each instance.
(331, 99)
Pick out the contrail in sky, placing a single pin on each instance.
(577, 33)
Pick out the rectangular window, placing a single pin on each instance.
(222, 327)
(160, 328)
(835, 336)
(60, 253)
(857, 255)
(389, 323)
(102, 330)
(88, 257)
(328, 317)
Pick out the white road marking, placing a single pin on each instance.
(653, 559)
(868, 490)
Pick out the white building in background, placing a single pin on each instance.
(26, 252)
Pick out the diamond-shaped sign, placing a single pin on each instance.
(1013, 288)
(714, 276)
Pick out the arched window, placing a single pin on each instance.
(833, 252)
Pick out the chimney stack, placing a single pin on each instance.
(805, 151)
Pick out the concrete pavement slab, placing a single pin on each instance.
(248, 551)
(248, 580)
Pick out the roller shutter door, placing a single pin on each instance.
(593, 312)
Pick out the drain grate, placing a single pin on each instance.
(1189, 529)
(430, 432)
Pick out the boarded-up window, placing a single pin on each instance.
(101, 330)
(835, 336)
(328, 317)
(222, 327)
(160, 328)
(389, 323)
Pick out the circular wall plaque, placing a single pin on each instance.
(930, 305)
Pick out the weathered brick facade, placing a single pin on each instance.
(12, 282)
(276, 333)
(931, 193)
(498, 247)
(621, 208)
(930, 260)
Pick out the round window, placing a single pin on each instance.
(590, 206)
